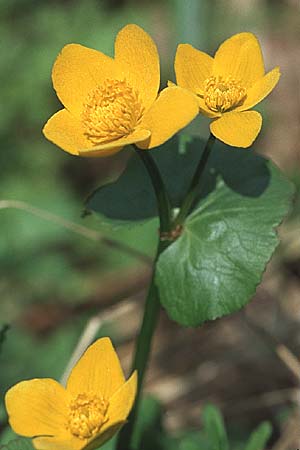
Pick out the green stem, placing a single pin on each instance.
(152, 306)
(193, 190)
(142, 353)
(151, 312)
(163, 201)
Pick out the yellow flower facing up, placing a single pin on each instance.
(113, 102)
(93, 406)
(228, 85)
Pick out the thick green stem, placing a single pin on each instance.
(193, 190)
(152, 306)
(142, 353)
(149, 322)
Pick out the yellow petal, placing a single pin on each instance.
(98, 371)
(238, 129)
(192, 67)
(77, 71)
(104, 149)
(65, 130)
(119, 408)
(201, 103)
(137, 53)
(241, 58)
(171, 84)
(173, 110)
(121, 402)
(37, 407)
(120, 405)
(63, 443)
(111, 150)
(260, 89)
(104, 436)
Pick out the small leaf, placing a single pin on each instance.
(215, 428)
(214, 267)
(259, 437)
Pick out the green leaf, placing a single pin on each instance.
(215, 428)
(214, 267)
(128, 198)
(131, 196)
(259, 437)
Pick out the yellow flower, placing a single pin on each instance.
(110, 103)
(92, 407)
(228, 85)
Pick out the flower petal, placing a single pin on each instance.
(192, 67)
(137, 52)
(77, 71)
(104, 436)
(238, 129)
(202, 105)
(121, 402)
(65, 131)
(37, 407)
(103, 149)
(120, 405)
(173, 110)
(98, 371)
(63, 443)
(260, 89)
(241, 58)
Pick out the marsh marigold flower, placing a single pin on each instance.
(228, 85)
(110, 103)
(92, 407)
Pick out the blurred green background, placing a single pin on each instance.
(54, 278)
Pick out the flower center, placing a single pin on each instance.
(87, 414)
(111, 111)
(221, 94)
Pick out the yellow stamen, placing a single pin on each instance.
(111, 111)
(221, 94)
(87, 414)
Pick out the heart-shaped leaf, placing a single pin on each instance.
(213, 268)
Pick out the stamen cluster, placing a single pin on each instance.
(111, 111)
(222, 95)
(87, 414)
